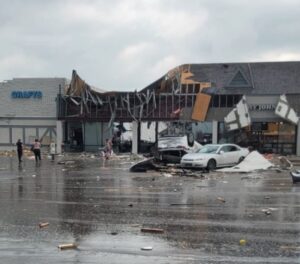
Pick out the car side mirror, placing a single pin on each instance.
(221, 152)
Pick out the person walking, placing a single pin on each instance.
(19, 149)
(108, 148)
(37, 150)
(52, 150)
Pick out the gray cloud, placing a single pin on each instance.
(127, 44)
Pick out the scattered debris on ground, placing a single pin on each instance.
(67, 162)
(147, 248)
(12, 153)
(221, 199)
(253, 162)
(67, 246)
(42, 225)
(152, 230)
(268, 211)
(285, 163)
(143, 166)
(254, 177)
(242, 242)
(187, 204)
(290, 247)
(168, 175)
(168, 170)
(8, 153)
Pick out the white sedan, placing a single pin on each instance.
(213, 156)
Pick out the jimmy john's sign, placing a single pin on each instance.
(262, 107)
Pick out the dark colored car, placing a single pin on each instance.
(170, 149)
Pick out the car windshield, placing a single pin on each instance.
(209, 149)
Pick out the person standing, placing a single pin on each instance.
(19, 149)
(37, 150)
(52, 150)
(108, 148)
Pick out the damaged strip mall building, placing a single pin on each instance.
(250, 104)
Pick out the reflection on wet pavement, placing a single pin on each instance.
(102, 207)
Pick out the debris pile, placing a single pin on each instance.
(42, 225)
(67, 246)
(152, 230)
(253, 162)
(12, 153)
(7, 153)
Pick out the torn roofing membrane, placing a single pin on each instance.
(239, 117)
(286, 112)
(161, 100)
(252, 162)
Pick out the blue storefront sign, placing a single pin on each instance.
(26, 94)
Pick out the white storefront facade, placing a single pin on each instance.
(28, 111)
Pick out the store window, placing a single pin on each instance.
(220, 101)
(183, 88)
(229, 101)
(223, 100)
(239, 137)
(202, 132)
(197, 87)
(190, 88)
(215, 101)
(266, 137)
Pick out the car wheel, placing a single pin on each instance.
(211, 164)
(190, 139)
(241, 159)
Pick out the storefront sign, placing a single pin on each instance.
(262, 107)
(26, 94)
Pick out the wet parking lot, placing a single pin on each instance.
(101, 207)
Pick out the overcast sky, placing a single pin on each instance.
(128, 44)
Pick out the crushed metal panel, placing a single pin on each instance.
(286, 112)
(239, 117)
(201, 107)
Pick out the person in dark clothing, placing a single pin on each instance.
(19, 149)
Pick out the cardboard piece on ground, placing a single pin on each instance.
(254, 161)
(67, 246)
(41, 225)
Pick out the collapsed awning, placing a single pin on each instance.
(239, 117)
(286, 112)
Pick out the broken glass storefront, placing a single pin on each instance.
(269, 125)
(266, 137)
(195, 94)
